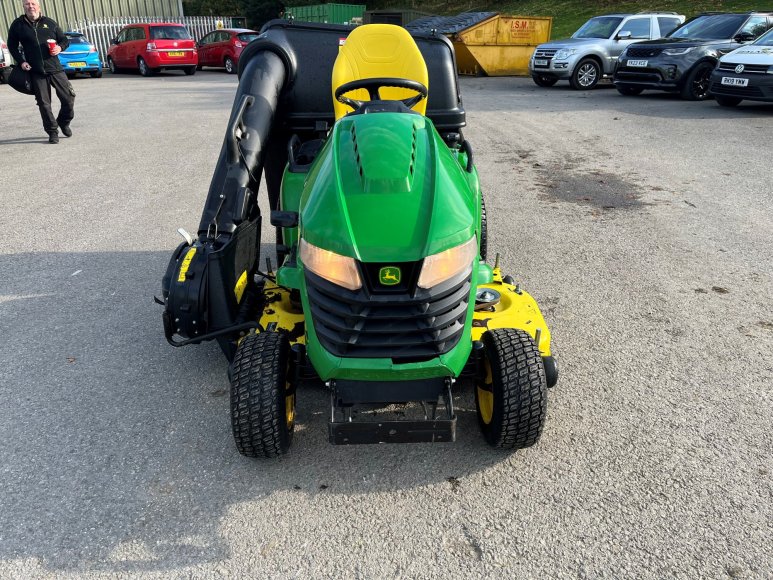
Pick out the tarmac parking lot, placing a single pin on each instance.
(643, 227)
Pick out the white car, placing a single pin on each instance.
(745, 73)
(5, 61)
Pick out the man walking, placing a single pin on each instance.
(35, 41)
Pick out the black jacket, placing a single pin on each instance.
(27, 42)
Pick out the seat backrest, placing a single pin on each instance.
(379, 50)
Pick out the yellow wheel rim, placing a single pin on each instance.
(486, 396)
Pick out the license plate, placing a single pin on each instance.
(735, 81)
(637, 63)
(176, 53)
(77, 64)
(540, 62)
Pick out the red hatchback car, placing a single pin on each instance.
(152, 47)
(221, 48)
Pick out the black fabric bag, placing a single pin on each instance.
(21, 80)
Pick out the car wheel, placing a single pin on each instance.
(586, 75)
(628, 91)
(191, 70)
(696, 86)
(96, 74)
(262, 397)
(111, 65)
(229, 65)
(145, 70)
(511, 396)
(728, 101)
(198, 67)
(544, 80)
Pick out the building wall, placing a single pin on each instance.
(67, 12)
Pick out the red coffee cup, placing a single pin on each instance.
(51, 44)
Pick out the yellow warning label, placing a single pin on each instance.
(186, 264)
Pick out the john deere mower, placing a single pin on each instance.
(381, 291)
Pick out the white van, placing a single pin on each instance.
(745, 73)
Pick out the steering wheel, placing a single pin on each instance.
(373, 86)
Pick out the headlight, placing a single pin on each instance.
(678, 51)
(445, 265)
(565, 53)
(340, 270)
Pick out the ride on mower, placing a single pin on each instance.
(381, 289)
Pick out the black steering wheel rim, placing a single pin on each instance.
(373, 85)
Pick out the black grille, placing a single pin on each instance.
(640, 52)
(735, 91)
(638, 75)
(407, 326)
(747, 68)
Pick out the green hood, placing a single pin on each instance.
(386, 188)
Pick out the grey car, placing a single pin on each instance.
(591, 53)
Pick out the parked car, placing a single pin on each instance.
(684, 61)
(151, 47)
(80, 57)
(5, 61)
(592, 51)
(745, 73)
(221, 48)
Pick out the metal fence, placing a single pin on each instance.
(101, 30)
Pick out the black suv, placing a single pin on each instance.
(683, 61)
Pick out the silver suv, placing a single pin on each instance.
(592, 51)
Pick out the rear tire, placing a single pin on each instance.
(696, 85)
(262, 398)
(629, 91)
(728, 101)
(191, 70)
(145, 70)
(586, 75)
(96, 74)
(511, 399)
(543, 80)
(229, 65)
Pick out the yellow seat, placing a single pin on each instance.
(379, 50)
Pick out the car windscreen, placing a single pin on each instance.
(599, 27)
(169, 33)
(765, 40)
(710, 27)
(77, 39)
(247, 36)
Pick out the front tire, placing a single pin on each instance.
(728, 101)
(543, 80)
(696, 86)
(262, 396)
(112, 66)
(229, 65)
(586, 75)
(511, 399)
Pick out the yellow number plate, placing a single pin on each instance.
(176, 53)
(77, 64)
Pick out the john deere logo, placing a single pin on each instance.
(389, 276)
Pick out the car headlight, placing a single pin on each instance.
(442, 266)
(565, 53)
(678, 51)
(335, 268)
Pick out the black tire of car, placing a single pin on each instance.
(145, 70)
(586, 75)
(728, 101)
(4, 74)
(262, 401)
(483, 229)
(96, 74)
(517, 392)
(112, 66)
(229, 65)
(544, 81)
(696, 85)
(629, 91)
(191, 70)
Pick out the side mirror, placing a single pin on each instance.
(624, 35)
(114, 41)
(744, 37)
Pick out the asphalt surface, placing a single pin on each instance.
(643, 227)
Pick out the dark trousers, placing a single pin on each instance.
(42, 84)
